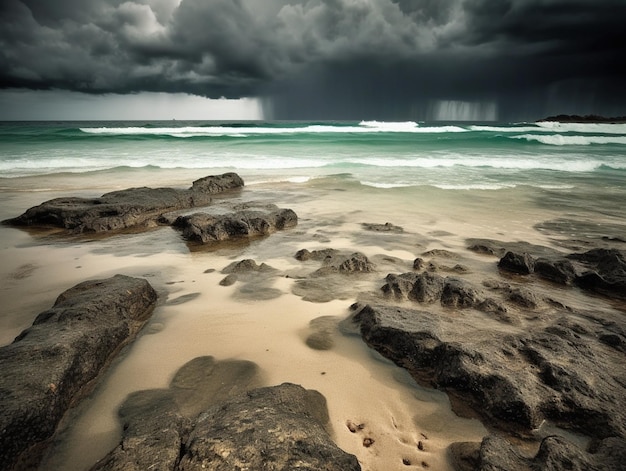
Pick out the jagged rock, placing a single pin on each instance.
(230, 425)
(427, 288)
(522, 264)
(317, 255)
(607, 272)
(53, 363)
(157, 422)
(207, 228)
(345, 264)
(123, 209)
(246, 266)
(555, 454)
(557, 370)
(280, 428)
(458, 294)
(559, 271)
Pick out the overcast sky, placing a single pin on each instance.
(311, 59)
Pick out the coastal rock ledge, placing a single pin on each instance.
(124, 209)
(52, 364)
(559, 372)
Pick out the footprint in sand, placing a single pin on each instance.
(413, 443)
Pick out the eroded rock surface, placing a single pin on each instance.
(515, 378)
(208, 228)
(215, 417)
(124, 209)
(555, 454)
(51, 364)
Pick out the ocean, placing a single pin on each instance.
(450, 156)
(561, 185)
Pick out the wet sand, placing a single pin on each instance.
(371, 402)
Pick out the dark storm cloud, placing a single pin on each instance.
(326, 58)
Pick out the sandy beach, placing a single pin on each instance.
(262, 320)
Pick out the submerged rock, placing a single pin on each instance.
(51, 365)
(124, 209)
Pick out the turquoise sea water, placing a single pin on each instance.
(580, 162)
(381, 154)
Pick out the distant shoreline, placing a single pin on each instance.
(590, 118)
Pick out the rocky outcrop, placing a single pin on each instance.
(53, 363)
(605, 272)
(557, 370)
(208, 228)
(555, 454)
(124, 209)
(214, 417)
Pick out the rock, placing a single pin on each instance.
(53, 363)
(387, 227)
(232, 425)
(427, 288)
(317, 255)
(523, 297)
(607, 272)
(123, 209)
(322, 332)
(246, 266)
(555, 454)
(157, 422)
(557, 370)
(345, 264)
(558, 271)
(458, 294)
(206, 228)
(522, 264)
(280, 428)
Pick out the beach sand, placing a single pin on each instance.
(262, 320)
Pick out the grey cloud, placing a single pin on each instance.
(342, 57)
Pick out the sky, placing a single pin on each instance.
(507, 60)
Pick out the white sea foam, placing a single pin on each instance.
(561, 140)
(505, 163)
(593, 128)
(504, 129)
(216, 131)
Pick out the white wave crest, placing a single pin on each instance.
(589, 128)
(561, 140)
(196, 131)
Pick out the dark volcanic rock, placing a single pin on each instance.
(51, 364)
(559, 271)
(557, 370)
(387, 227)
(428, 288)
(212, 418)
(123, 209)
(522, 264)
(280, 428)
(607, 272)
(208, 228)
(157, 422)
(555, 454)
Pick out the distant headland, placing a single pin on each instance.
(590, 118)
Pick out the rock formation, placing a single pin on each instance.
(125, 208)
(52, 364)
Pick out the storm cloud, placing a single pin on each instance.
(330, 59)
